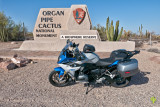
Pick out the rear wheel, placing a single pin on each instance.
(56, 81)
(120, 81)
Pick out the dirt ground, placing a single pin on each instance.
(29, 87)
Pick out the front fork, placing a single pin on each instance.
(61, 70)
(63, 73)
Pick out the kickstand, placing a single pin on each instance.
(87, 88)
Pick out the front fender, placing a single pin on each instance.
(61, 70)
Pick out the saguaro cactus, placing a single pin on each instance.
(140, 30)
(113, 35)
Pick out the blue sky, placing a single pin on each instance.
(131, 13)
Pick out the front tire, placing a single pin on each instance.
(55, 80)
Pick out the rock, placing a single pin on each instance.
(32, 62)
(1, 59)
(14, 43)
(15, 56)
(7, 65)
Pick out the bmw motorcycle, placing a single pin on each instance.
(87, 67)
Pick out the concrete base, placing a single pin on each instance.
(58, 45)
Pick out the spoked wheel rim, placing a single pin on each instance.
(120, 81)
(123, 83)
(56, 79)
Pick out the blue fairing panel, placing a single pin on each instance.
(64, 59)
(59, 69)
(114, 63)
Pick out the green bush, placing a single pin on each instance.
(101, 30)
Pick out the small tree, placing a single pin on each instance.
(3, 27)
(127, 34)
(9, 30)
(101, 30)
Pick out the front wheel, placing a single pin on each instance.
(56, 81)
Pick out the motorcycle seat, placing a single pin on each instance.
(105, 62)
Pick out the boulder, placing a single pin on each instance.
(14, 43)
(7, 65)
(1, 59)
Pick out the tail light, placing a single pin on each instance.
(127, 72)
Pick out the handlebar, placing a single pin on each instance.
(74, 45)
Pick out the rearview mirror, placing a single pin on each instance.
(68, 41)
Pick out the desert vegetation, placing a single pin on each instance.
(10, 31)
(112, 33)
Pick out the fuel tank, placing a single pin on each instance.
(92, 57)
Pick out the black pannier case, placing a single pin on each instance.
(118, 54)
(88, 48)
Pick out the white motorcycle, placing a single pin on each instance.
(87, 67)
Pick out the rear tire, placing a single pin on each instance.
(123, 83)
(54, 79)
(119, 80)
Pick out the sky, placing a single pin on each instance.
(130, 13)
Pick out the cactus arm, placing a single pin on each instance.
(108, 29)
(116, 31)
(112, 32)
(120, 34)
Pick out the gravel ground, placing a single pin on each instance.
(29, 87)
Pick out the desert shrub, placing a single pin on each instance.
(101, 30)
(155, 50)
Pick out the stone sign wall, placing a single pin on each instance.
(64, 23)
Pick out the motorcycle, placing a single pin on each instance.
(87, 67)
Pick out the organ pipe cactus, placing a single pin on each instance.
(113, 35)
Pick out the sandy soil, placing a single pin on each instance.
(154, 45)
(29, 87)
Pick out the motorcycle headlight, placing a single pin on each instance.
(59, 59)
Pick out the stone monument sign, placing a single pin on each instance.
(64, 23)
(55, 25)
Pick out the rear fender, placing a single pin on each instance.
(61, 70)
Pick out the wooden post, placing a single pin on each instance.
(23, 30)
(150, 42)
